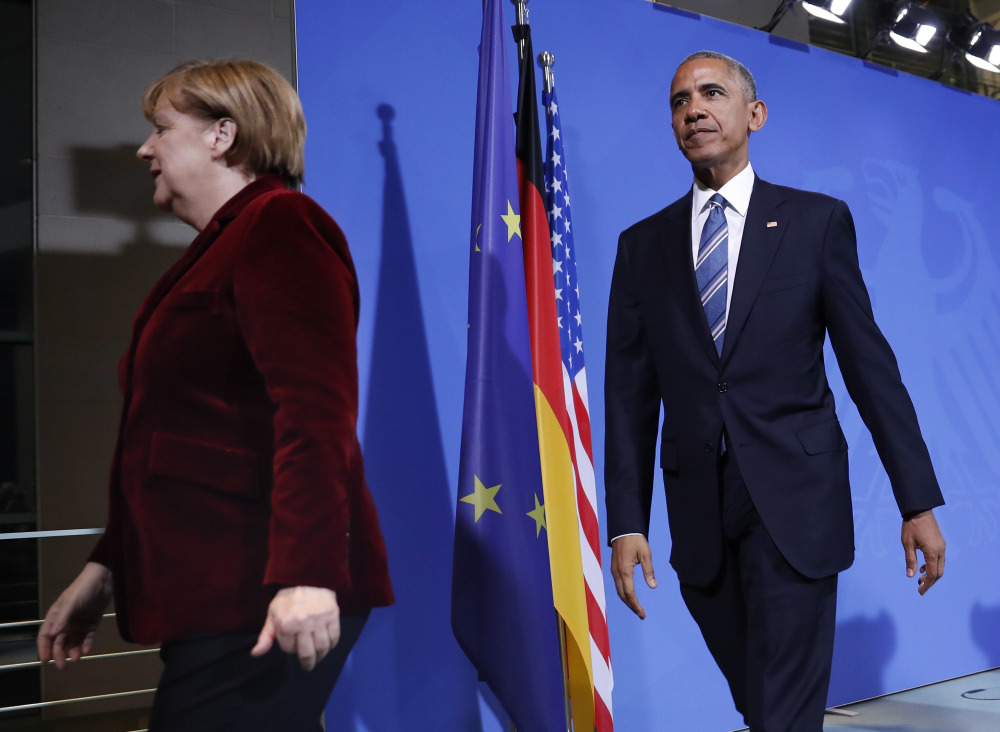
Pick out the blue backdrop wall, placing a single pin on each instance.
(390, 90)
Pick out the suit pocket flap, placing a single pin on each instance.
(668, 455)
(227, 469)
(784, 282)
(823, 437)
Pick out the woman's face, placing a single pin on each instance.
(180, 152)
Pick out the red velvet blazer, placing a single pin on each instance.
(238, 469)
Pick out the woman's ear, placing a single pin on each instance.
(224, 131)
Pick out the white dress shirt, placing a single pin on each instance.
(737, 194)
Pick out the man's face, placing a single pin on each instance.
(710, 118)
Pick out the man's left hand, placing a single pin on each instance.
(922, 532)
(305, 621)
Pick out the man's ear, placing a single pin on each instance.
(224, 131)
(758, 115)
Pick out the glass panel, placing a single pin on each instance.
(18, 557)
(15, 162)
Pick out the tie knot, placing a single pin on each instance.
(717, 200)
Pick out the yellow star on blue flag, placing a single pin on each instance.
(484, 499)
(513, 222)
(539, 515)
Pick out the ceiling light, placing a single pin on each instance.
(832, 10)
(913, 26)
(978, 41)
(985, 52)
(825, 9)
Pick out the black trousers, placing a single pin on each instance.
(769, 628)
(213, 683)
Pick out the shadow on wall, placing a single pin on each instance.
(95, 269)
(100, 251)
(113, 182)
(865, 646)
(407, 668)
(985, 621)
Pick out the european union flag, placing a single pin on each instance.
(502, 611)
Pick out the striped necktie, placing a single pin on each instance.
(711, 268)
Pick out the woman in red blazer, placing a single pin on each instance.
(239, 514)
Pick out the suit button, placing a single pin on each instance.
(708, 447)
(723, 386)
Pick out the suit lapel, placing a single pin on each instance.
(678, 266)
(762, 233)
(229, 211)
(172, 276)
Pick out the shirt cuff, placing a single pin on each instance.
(634, 533)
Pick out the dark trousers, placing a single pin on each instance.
(213, 683)
(769, 628)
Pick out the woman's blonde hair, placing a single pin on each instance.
(270, 126)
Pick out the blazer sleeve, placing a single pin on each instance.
(296, 305)
(870, 371)
(102, 553)
(632, 406)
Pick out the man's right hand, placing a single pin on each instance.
(70, 624)
(626, 552)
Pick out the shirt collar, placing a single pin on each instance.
(736, 192)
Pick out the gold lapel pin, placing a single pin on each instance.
(771, 224)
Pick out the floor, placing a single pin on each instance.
(966, 704)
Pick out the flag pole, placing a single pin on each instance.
(561, 627)
(547, 60)
(522, 19)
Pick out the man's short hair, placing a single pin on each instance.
(748, 87)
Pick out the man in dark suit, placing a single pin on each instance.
(719, 308)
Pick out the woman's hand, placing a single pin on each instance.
(305, 621)
(70, 624)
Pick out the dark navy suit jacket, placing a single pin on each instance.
(797, 280)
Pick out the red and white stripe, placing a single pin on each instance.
(590, 547)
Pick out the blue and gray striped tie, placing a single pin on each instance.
(711, 269)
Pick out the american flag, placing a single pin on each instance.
(557, 204)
